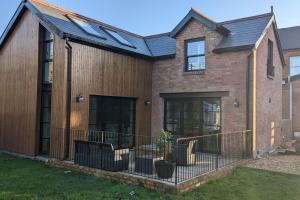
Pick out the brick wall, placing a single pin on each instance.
(269, 97)
(295, 94)
(224, 72)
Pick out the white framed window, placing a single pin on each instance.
(294, 65)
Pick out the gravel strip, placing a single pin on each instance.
(279, 163)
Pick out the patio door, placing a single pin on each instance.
(187, 117)
(116, 117)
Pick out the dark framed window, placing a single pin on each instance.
(48, 57)
(270, 64)
(195, 55)
(46, 90)
(192, 116)
(116, 117)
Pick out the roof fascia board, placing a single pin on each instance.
(258, 42)
(237, 48)
(51, 26)
(100, 45)
(12, 23)
(201, 19)
(278, 43)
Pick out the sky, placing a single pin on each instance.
(146, 17)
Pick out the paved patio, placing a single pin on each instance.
(205, 162)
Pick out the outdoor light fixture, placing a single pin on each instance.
(79, 98)
(148, 102)
(236, 103)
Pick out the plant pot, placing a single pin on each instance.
(164, 169)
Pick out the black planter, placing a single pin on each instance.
(164, 169)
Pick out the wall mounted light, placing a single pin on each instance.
(79, 99)
(147, 103)
(236, 103)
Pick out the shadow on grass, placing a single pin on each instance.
(27, 179)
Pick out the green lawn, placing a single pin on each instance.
(26, 179)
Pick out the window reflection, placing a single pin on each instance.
(193, 116)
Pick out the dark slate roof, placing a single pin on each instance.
(290, 38)
(161, 45)
(58, 18)
(244, 32)
(237, 34)
(194, 14)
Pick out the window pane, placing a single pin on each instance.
(118, 37)
(211, 116)
(48, 35)
(46, 100)
(86, 26)
(46, 115)
(173, 106)
(294, 65)
(195, 48)
(48, 72)
(48, 51)
(46, 131)
(196, 63)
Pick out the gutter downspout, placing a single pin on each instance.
(69, 98)
(291, 97)
(254, 133)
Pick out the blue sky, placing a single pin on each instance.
(148, 17)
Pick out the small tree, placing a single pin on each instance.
(164, 143)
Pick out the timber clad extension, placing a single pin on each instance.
(203, 77)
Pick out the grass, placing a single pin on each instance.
(27, 179)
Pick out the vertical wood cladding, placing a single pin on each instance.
(100, 72)
(18, 87)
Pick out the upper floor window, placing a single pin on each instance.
(270, 64)
(47, 57)
(195, 55)
(294, 65)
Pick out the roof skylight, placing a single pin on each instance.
(119, 38)
(85, 26)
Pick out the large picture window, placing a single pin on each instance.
(195, 55)
(192, 116)
(294, 65)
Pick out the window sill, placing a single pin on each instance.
(270, 77)
(198, 72)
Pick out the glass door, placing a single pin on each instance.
(116, 117)
(188, 117)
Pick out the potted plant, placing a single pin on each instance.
(165, 167)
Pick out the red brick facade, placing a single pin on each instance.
(269, 96)
(295, 92)
(224, 72)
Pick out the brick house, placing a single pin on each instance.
(61, 70)
(290, 40)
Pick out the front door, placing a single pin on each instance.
(116, 117)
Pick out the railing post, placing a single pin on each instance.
(244, 144)
(217, 153)
(176, 163)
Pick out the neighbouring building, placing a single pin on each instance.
(290, 41)
(60, 70)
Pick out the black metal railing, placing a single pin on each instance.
(175, 159)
